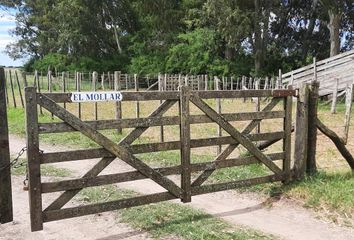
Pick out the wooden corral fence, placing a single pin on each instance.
(334, 74)
(6, 212)
(126, 150)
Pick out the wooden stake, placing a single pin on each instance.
(117, 87)
(36, 77)
(19, 89)
(334, 97)
(348, 111)
(218, 110)
(12, 90)
(185, 145)
(136, 82)
(6, 210)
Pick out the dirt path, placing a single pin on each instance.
(285, 218)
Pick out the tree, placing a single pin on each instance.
(339, 12)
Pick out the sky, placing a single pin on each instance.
(7, 22)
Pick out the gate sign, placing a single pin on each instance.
(96, 96)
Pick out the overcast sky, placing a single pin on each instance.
(7, 22)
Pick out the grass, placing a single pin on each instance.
(46, 170)
(331, 191)
(171, 219)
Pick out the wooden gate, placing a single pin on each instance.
(126, 151)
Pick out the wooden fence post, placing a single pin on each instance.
(94, 86)
(19, 89)
(12, 90)
(64, 85)
(136, 82)
(185, 144)
(312, 128)
(36, 79)
(6, 210)
(334, 97)
(348, 111)
(117, 87)
(34, 167)
(162, 135)
(218, 110)
(301, 132)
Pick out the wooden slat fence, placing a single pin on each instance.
(326, 72)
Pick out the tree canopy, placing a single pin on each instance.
(239, 37)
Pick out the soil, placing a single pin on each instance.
(281, 217)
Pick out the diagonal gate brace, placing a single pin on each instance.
(242, 139)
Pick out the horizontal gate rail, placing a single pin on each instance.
(75, 155)
(128, 151)
(175, 95)
(160, 121)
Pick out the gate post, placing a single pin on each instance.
(34, 167)
(312, 128)
(6, 211)
(301, 132)
(185, 144)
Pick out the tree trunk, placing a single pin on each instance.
(229, 53)
(258, 41)
(334, 26)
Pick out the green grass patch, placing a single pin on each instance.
(46, 170)
(333, 191)
(171, 219)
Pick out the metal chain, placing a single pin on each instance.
(14, 163)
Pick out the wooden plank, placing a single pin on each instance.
(301, 132)
(161, 89)
(34, 170)
(334, 97)
(348, 111)
(244, 141)
(85, 182)
(94, 85)
(185, 144)
(174, 95)
(288, 102)
(117, 87)
(153, 147)
(137, 107)
(151, 122)
(12, 90)
(205, 175)
(78, 89)
(55, 215)
(312, 128)
(218, 110)
(216, 187)
(105, 161)
(19, 89)
(6, 210)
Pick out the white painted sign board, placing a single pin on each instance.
(96, 96)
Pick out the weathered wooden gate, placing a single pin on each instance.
(126, 150)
